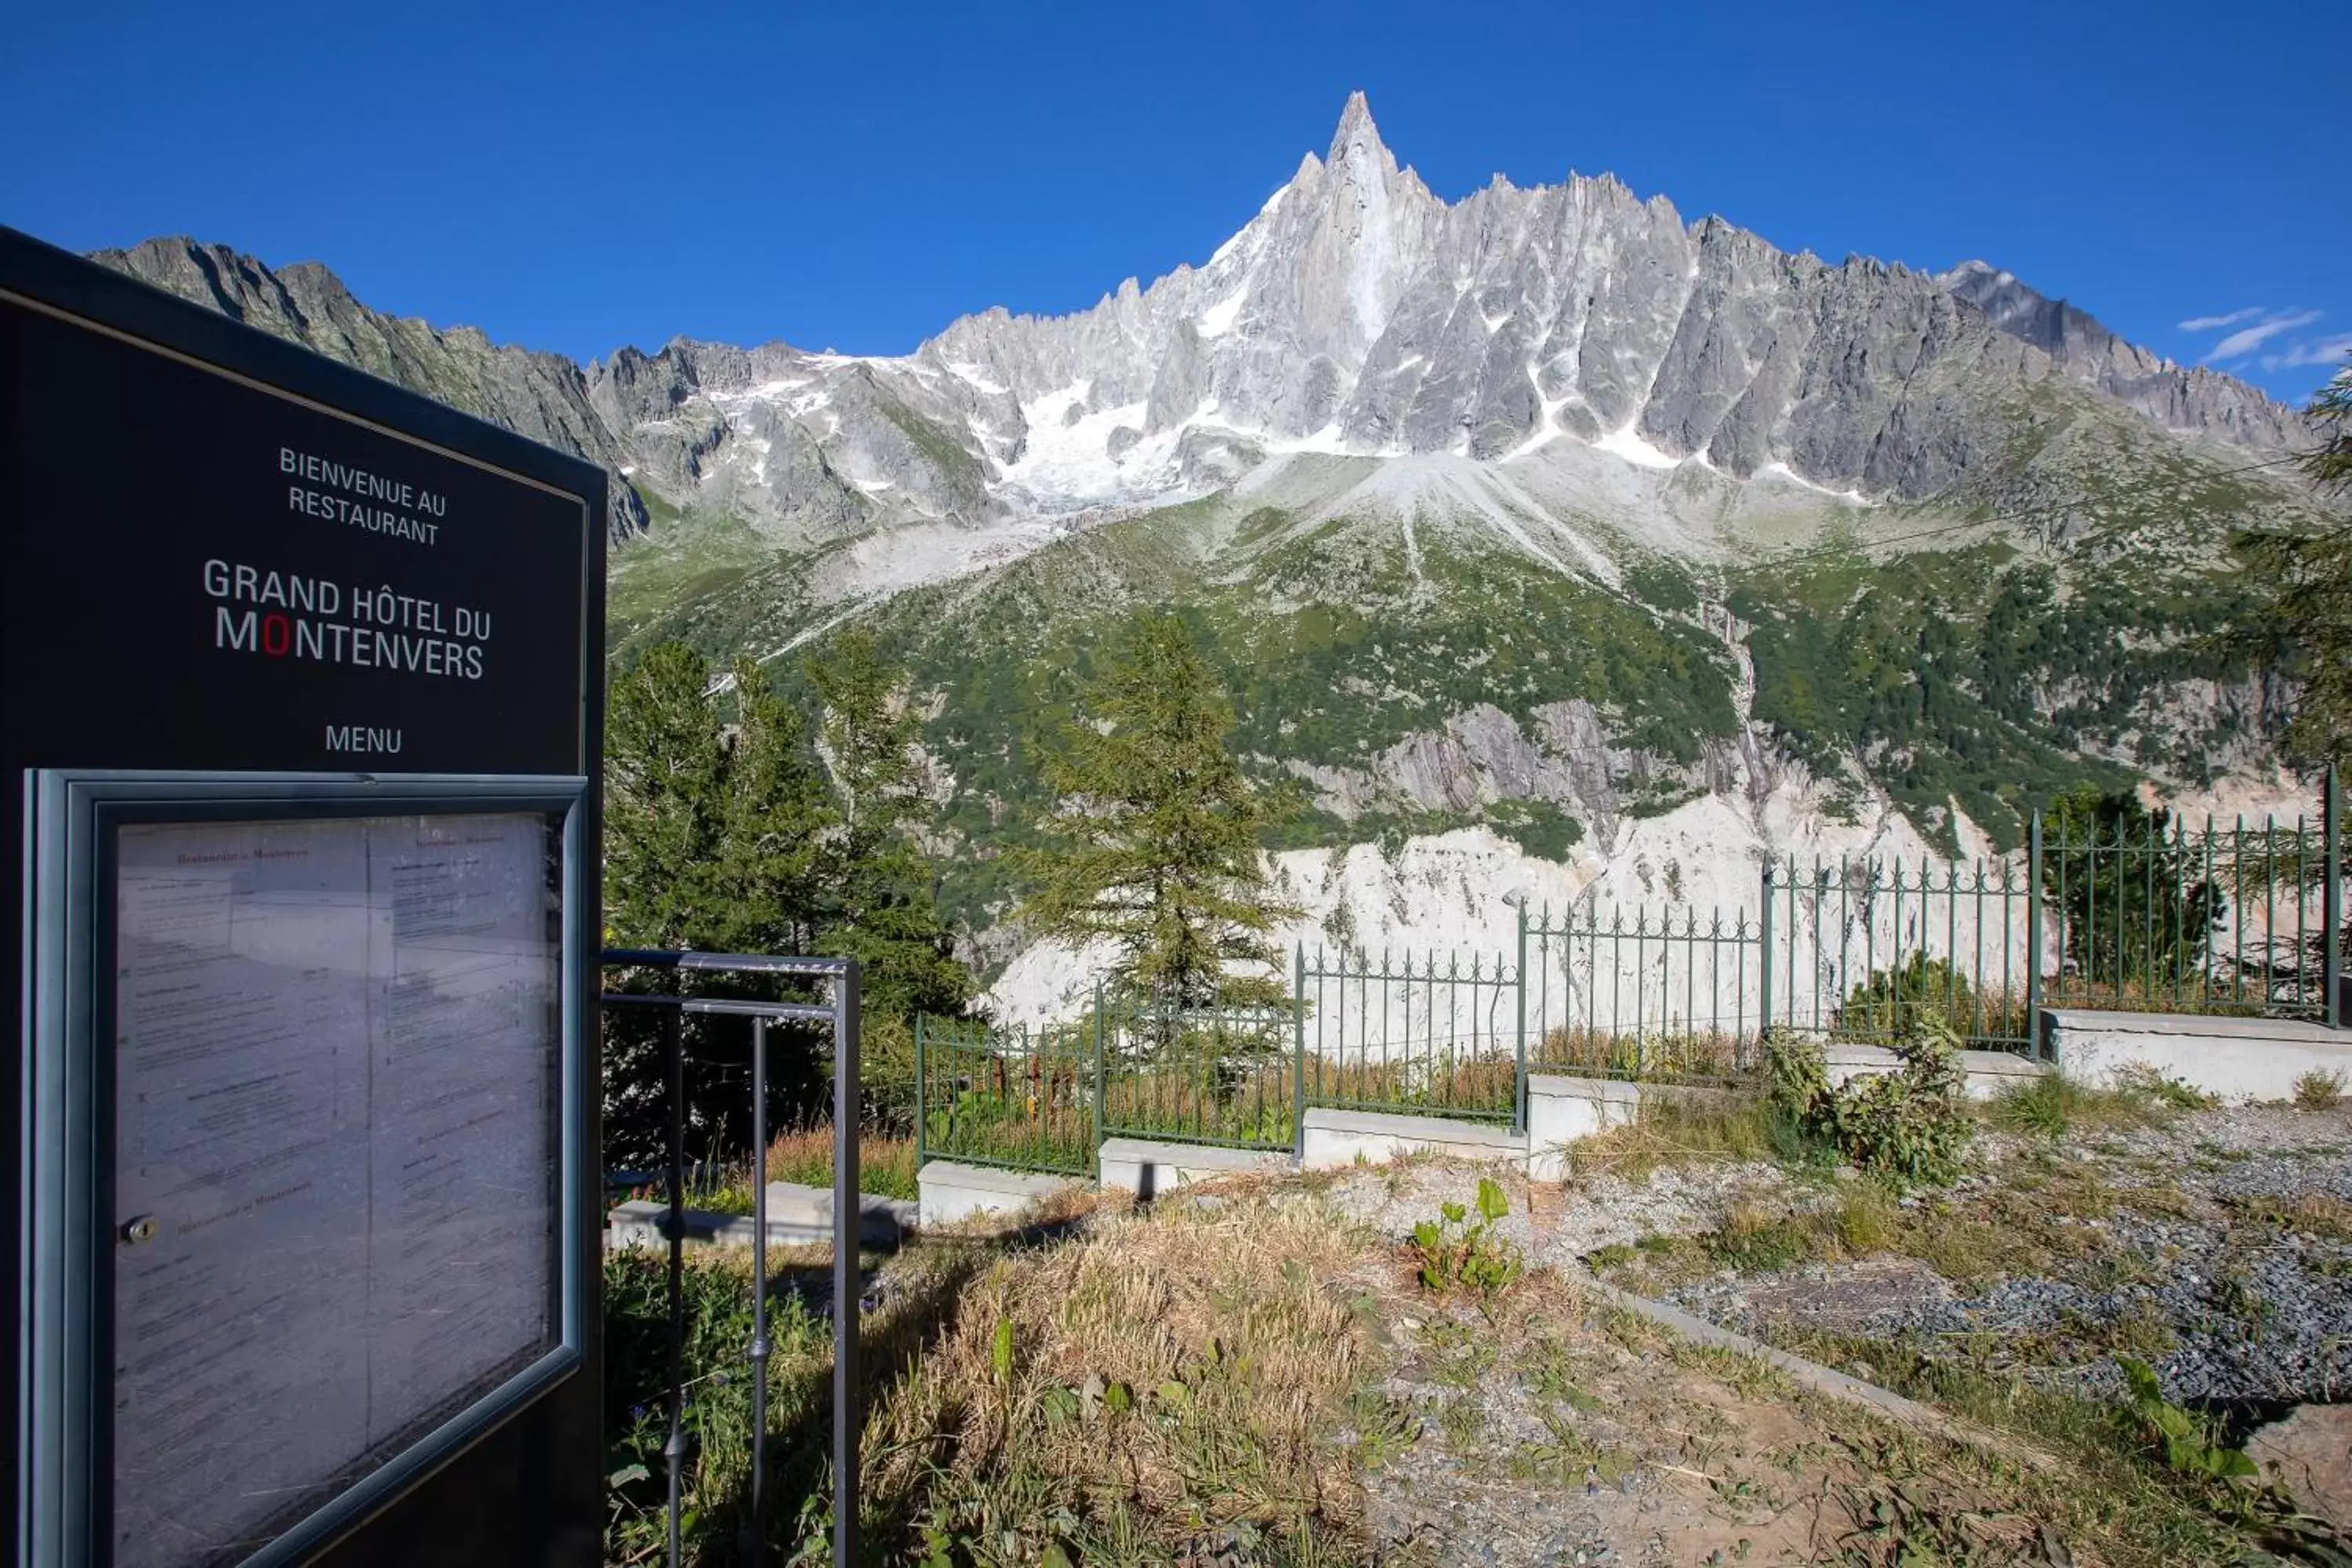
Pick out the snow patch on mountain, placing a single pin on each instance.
(1628, 445)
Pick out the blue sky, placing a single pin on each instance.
(854, 175)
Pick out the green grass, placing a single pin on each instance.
(2052, 1104)
(716, 1418)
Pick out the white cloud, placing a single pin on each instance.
(2311, 351)
(2214, 323)
(2246, 340)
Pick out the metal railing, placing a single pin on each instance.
(1021, 1099)
(1429, 1033)
(839, 977)
(1643, 993)
(1195, 1074)
(1868, 950)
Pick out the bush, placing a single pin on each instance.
(1896, 1004)
(1909, 1126)
(2316, 1090)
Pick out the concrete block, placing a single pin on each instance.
(2236, 1059)
(808, 1210)
(952, 1191)
(1562, 1109)
(1990, 1072)
(1146, 1169)
(883, 1223)
(1335, 1138)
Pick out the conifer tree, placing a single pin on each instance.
(713, 839)
(880, 905)
(1154, 842)
(2306, 629)
(665, 762)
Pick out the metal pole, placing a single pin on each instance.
(2035, 1044)
(2332, 899)
(846, 1223)
(759, 1288)
(1519, 984)
(1098, 1068)
(1298, 1051)
(1764, 996)
(674, 1447)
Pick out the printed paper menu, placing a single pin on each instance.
(336, 1058)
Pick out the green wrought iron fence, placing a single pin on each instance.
(1222, 1076)
(1869, 950)
(1661, 994)
(1012, 1097)
(2151, 917)
(1436, 1034)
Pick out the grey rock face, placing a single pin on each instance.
(2182, 398)
(1356, 312)
(1481, 755)
(1359, 310)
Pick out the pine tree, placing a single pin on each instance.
(712, 830)
(2329, 465)
(1154, 844)
(2305, 631)
(665, 761)
(880, 905)
(713, 840)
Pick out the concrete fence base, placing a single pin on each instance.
(2235, 1059)
(1333, 1139)
(1562, 1109)
(1990, 1072)
(1146, 1169)
(953, 1191)
(798, 1215)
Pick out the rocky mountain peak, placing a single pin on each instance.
(1356, 315)
(1357, 139)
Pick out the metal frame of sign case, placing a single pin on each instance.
(67, 1455)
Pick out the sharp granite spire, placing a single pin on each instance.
(1357, 134)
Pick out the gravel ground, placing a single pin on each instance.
(2210, 1244)
(1537, 1440)
(2256, 1310)
(1576, 1220)
(2251, 1310)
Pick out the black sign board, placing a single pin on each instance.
(206, 570)
(254, 605)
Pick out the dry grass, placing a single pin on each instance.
(1163, 1370)
(2317, 1091)
(2320, 1214)
(1250, 1381)
(1692, 1128)
(1659, 1056)
(886, 1163)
